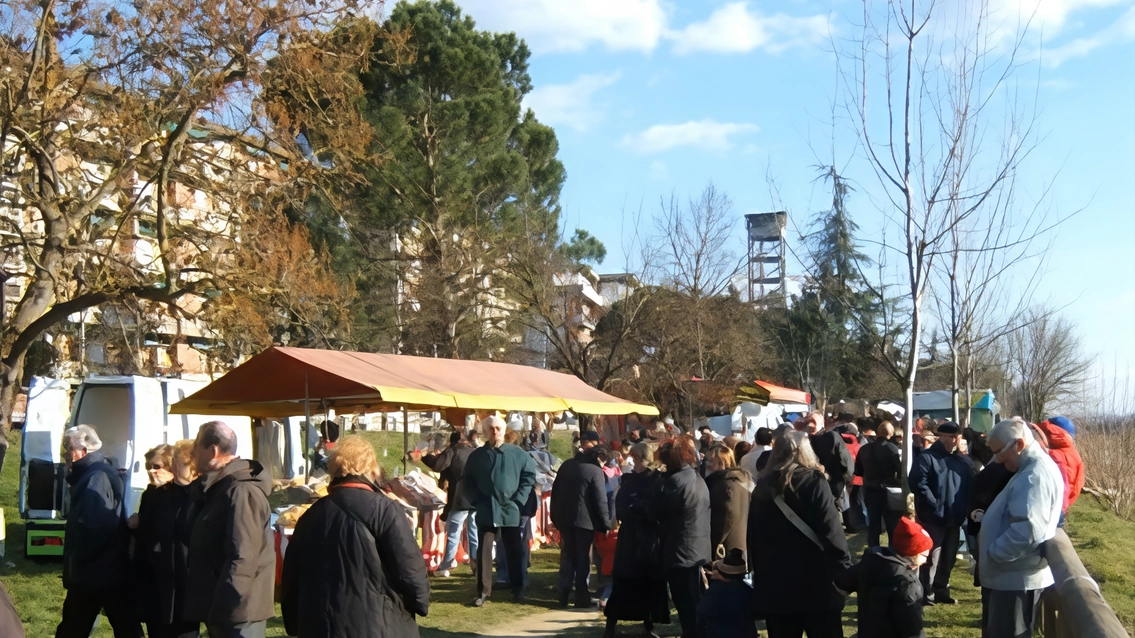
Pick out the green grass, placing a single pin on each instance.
(1105, 543)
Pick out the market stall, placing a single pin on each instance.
(282, 382)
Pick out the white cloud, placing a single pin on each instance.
(1120, 30)
(1052, 15)
(550, 26)
(704, 134)
(658, 171)
(735, 28)
(569, 104)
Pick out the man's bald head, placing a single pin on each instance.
(218, 433)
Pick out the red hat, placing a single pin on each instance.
(910, 539)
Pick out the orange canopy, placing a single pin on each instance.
(275, 383)
(778, 394)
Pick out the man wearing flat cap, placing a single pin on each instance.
(940, 480)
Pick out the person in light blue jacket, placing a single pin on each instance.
(1014, 530)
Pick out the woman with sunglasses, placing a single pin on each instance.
(164, 519)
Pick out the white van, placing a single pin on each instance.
(42, 485)
(131, 416)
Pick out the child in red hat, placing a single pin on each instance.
(886, 578)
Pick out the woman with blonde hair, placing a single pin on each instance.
(638, 590)
(353, 568)
(164, 521)
(796, 544)
(729, 488)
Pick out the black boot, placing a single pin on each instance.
(610, 632)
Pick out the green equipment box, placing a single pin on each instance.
(44, 538)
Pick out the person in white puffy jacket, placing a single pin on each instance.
(1014, 530)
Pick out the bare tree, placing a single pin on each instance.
(696, 260)
(1046, 364)
(984, 282)
(111, 119)
(591, 339)
(941, 128)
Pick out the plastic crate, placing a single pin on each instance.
(44, 539)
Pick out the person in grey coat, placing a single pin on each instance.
(1013, 531)
(682, 508)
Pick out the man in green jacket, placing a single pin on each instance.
(498, 480)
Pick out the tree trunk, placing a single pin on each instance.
(10, 380)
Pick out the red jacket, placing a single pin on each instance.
(853, 447)
(1062, 449)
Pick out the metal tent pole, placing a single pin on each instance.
(405, 439)
(306, 425)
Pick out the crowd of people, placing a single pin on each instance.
(733, 532)
(729, 532)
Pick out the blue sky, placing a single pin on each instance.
(651, 98)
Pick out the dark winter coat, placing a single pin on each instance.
(450, 464)
(498, 482)
(890, 595)
(165, 522)
(941, 483)
(682, 508)
(879, 463)
(232, 556)
(728, 509)
(639, 583)
(95, 552)
(836, 459)
(790, 573)
(353, 569)
(579, 494)
(988, 483)
(638, 549)
(726, 610)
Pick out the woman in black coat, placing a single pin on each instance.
(638, 590)
(164, 521)
(353, 568)
(793, 570)
(682, 507)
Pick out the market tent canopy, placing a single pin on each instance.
(943, 400)
(763, 393)
(275, 383)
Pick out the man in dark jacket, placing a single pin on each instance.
(457, 512)
(940, 480)
(879, 463)
(579, 509)
(833, 455)
(95, 551)
(890, 595)
(499, 478)
(232, 558)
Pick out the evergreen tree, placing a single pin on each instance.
(457, 173)
(820, 334)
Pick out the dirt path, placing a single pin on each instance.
(550, 623)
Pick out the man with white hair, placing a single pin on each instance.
(832, 453)
(95, 551)
(1013, 531)
(499, 477)
(232, 556)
